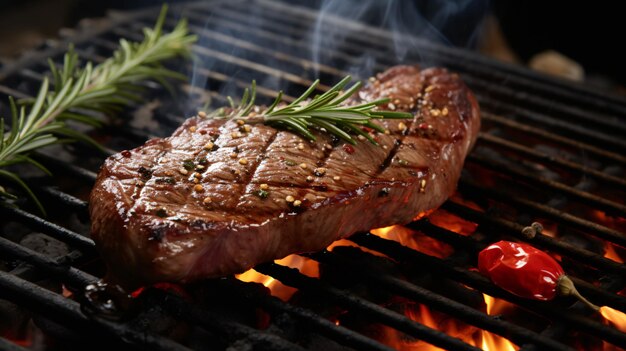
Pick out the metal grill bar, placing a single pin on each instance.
(56, 164)
(54, 230)
(56, 267)
(583, 196)
(542, 133)
(530, 153)
(66, 199)
(577, 131)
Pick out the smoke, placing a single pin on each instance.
(407, 25)
(287, 45)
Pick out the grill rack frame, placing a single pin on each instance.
(464, 61)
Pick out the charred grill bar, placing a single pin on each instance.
(549, 150)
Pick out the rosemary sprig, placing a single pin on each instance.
(323, 112)
(102, 88)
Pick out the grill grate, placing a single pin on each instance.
(549, 150)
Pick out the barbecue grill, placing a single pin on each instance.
(549, 151)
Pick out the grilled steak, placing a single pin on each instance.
(218, 196)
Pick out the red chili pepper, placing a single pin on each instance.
(526, 272)
(521, 270)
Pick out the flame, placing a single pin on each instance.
(494, 342)
(431, 319)
(611, 253)
(497, 306)
(283, 292)
(415, 240)
(401, 234)
(469, 334)
(491, 341)
(451, 222)
(616, 318)
(346, 242)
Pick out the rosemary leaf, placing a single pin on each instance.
(323, 112)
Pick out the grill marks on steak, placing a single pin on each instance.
(153, 223)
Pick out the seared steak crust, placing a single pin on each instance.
(218, 197)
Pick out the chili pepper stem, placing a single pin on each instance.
(566, 287)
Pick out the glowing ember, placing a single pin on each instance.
(617, 223)
(422, 215)
(458, 198)
(549, 228)
(283, 292)
(66, 292)
(616, 318)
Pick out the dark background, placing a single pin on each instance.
(590, 33)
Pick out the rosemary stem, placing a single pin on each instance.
(100, 88)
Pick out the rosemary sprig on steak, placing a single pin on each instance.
(324, 112)
(101, 88)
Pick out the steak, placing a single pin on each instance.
(220, 196)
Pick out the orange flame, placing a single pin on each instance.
(283, 292)
(346, 242)
(451, 222)
(469, 334)
(421, 313)
(450, 326)
(491, 341)
(415, 240)
(615, 317)
(611, 253)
